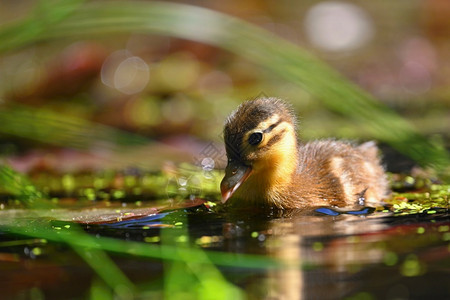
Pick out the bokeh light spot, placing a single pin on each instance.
(131, 76)
(125, 73)
(338, 26)
(177, 110)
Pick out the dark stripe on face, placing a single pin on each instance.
(275, 138)
(233, 144)
(271, 127)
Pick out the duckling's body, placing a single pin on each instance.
(268, 166)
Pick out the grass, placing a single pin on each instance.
(190, 273)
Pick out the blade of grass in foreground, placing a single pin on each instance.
(95, 257)
(178, 258)
(21, 187)
(46, 14)
(204, 280)
(253, 43)
(78, 238)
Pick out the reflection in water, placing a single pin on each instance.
(322, 245)
(372, 255)
(363, 254)
(327, 254)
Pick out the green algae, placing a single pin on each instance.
(413, 195)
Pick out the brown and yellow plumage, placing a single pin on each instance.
(269, 166)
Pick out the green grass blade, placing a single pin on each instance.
(187, 278)
(95, 257)
(19, 186)
(49, 127)
(165, 252)
(45, 15)
(105, 268)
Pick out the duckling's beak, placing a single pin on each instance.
(235, 174)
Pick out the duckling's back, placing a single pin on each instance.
(339, 174)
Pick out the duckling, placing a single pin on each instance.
(268, 166)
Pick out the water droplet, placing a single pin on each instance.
(182, 181)
(208, 164)
(261, 237)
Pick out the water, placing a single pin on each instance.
(357, 254)
(392, 252)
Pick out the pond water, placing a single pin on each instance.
(365, 256)
(389, 252)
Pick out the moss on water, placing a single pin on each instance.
(411, 195)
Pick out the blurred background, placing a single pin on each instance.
(176, 93)
(107, 104)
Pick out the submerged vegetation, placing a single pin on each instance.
(167, 217)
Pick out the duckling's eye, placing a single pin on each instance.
(255, 138)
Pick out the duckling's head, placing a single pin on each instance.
(261, 145)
